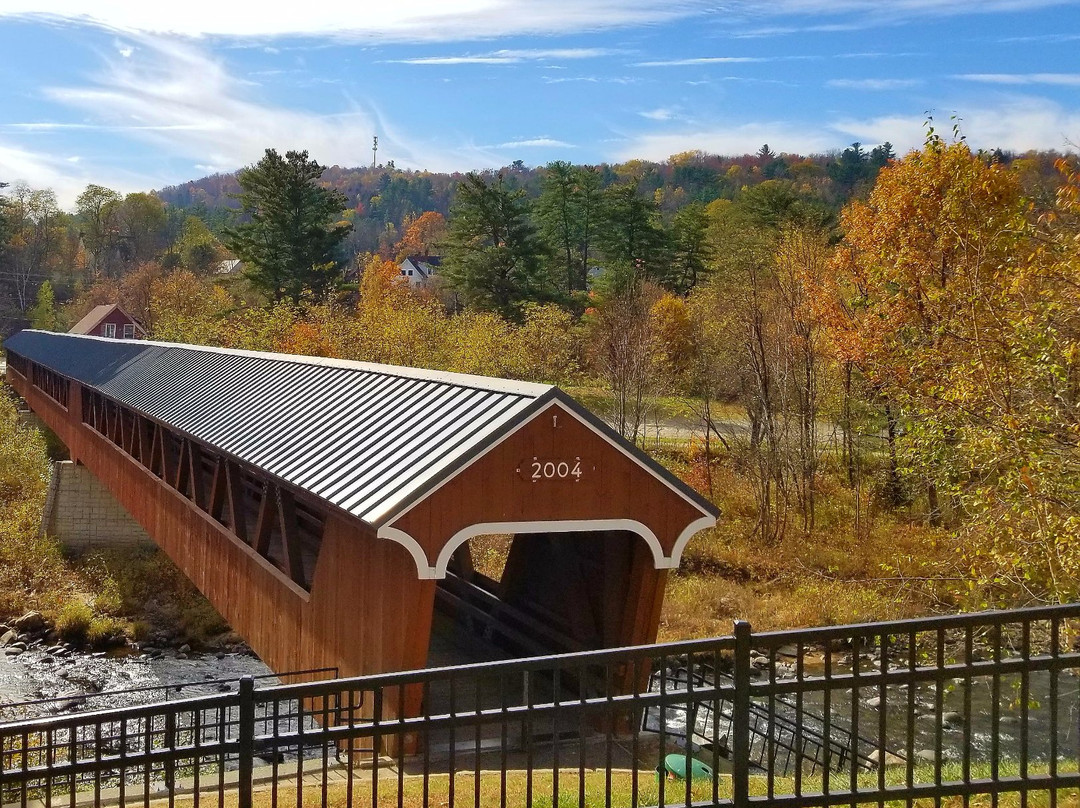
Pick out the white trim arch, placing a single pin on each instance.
(688, 533)
(428, 572)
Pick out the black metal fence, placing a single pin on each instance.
(932, 709)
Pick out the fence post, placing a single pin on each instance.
(246, 737)
(740, 718)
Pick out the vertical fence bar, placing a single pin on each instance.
(857, 648)
(1054, 643)
(995, 717)
(882, 710)
(662, 768)
(965, 763)
(425, 742)
(909, 737)
(504, 734)
(376, 745)
(800, 737)
(245, 732)
(636, 717)
(691, 720)
(583, 674)
(556, 697)
(478, 704)
(740, 717)
(1025, 699)
(169, 744)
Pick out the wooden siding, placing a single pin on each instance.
(366, 613)
(117, 318)
(499, 487)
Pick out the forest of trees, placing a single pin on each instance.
(898, 334)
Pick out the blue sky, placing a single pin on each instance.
(140, 95)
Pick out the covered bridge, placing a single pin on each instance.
(325, 507)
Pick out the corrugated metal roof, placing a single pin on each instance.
(363, 437)
(370, 439)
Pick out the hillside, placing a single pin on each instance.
(382, 198)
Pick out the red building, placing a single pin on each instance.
(109, 321)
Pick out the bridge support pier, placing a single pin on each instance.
(82, 514)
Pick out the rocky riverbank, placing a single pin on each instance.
(42, 674)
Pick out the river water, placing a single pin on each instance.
(1009, 717)
(37, 683)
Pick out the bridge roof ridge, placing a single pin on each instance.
(494, 384)
(361, 436)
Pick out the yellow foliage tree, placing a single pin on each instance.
(965, 316)
(188, 309)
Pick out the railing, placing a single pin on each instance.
(958, 706)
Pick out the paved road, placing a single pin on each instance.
(687, 429)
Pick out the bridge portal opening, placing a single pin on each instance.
(533, 594)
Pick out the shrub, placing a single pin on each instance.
(106, 631)
(73, 622)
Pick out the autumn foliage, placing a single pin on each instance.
(910, 368)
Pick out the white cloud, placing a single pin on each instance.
(53, 126)
(873, 84)
(537, 142)
(459, 20)
(662, 114)
(1053, 79)
(1017, 123)
(419, 20)
(447, 21)
(187, 106)
(920, 7)
(851, 15)
(710, 60)
(67, 176)
(590, 79)
(1054, 38)
(734, 139)
(509, 57)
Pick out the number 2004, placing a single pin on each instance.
(552, 470)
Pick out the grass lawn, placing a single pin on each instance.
(596, 785)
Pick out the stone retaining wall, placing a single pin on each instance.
(82, 514)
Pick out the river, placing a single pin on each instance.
(37, 682)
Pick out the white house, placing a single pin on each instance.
(419, 269)
(230, 266)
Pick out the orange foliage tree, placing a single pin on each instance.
(422, 235)
(963, 314)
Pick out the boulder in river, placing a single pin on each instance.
(67, 704)
(8, 637)
(30, 622)
(890, 758)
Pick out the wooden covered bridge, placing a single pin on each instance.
(325, 507)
